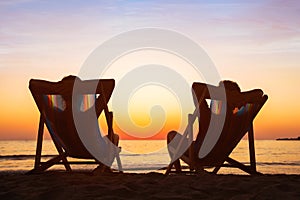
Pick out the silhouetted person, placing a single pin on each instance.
(233, 95)
(98, 107)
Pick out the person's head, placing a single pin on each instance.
(70, 78)
(230, 85)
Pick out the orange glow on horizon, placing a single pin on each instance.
(249, 43)
(170, 124)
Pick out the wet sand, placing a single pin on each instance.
(84, 185)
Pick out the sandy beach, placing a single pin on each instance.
(83, 185)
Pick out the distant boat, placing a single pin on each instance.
(298, 138)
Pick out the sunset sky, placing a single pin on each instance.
(253, 42)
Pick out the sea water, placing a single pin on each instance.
(142, 156)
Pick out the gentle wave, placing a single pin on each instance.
(21, 157)
(279, 163)
(144, 168)
(24, 157)
(140, 154)
(27, 157)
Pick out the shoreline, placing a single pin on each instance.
(85, 185)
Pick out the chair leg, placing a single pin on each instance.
(38, 166)
(45, 165)
(169, 168)
(215, 171)
(62, 154)
(63, 157)
(177, 166)
(119, 160)
(66, 163)
(247, 169)
(251, 148)
(38, 152)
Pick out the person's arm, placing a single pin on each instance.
(252, 96)
(241, 98)
(104, 89)
(99, 105)
(198, 89)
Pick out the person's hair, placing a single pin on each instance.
(230, 85)
(70, 78)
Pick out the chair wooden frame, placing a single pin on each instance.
(40, 88)
(215, 158)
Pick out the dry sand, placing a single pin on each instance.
(79, 185)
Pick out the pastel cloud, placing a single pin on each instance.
(49, 39)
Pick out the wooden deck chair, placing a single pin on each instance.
(236, 126)
(58, 103)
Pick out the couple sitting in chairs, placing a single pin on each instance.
(60, 121)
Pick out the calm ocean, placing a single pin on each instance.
(139, 156)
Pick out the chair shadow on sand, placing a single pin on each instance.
(222, 125)
(60, 107)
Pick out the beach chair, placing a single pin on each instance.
(235, 126)
(62, 103)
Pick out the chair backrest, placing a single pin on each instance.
(57, 102)
(236, 122)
